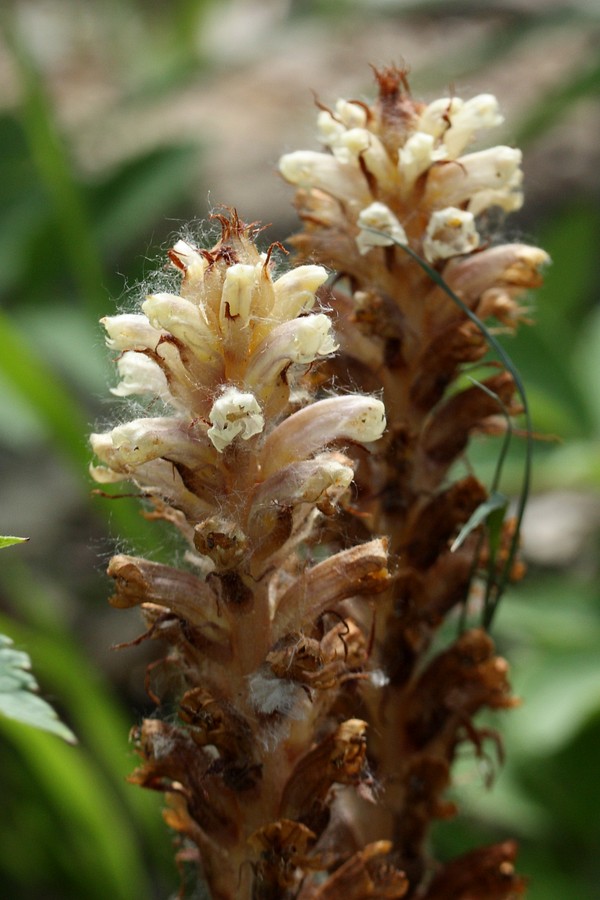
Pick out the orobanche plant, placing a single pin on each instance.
(303, 428)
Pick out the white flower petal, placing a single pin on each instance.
(300, 341)
(187, 256)
(353, 115)
(140, 375)
(309, 169)
(141, 440)
(496, 169)
(416, 156)
(380, 218)
(329, 128)
(304, 482)
(131, 331)
(234, 413)
(184, 320)
(238, 290)
(450, 232)
(436, 117)
(295, 290)
(476, 114)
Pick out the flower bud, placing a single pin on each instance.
(416, 156)
(130, 331)
(184, 320)
(295, 291)
(140, 375)
(238, 289)
(142, 440)
(474, 115)
(306, 168)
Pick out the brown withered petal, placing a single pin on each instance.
(359, 570)
(449, 429)
(439, 360)
(339, 759)
(139, 581)
(173, 763)
(194, 644)
(487, 872)
(284, 836)
(222, 541)
(216, 863)
(421, 600)
(456, 685)
(515, 267)
(282, 849)
(424, 782)
(369, 874)
(319, 663)
(216, 722)
(437, 521)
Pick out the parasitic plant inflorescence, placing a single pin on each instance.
(246, 463)
(308, 723)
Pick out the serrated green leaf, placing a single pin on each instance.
(7, 540)
(17, 698)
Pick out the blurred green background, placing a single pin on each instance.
(119, 122)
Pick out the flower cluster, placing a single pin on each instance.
(404, 211)
(245, 462)
(399, 170)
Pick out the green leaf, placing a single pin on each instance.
(495, 503)
(18, 699)
(6, 540)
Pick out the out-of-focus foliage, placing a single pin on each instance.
(8, 540)
(18, 697)
(18, 688)
(76, 220)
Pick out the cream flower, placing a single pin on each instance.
(225, 354)
(379, 227)
(394, 172)
(450, 232)
(234, 413)
(140, 375)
